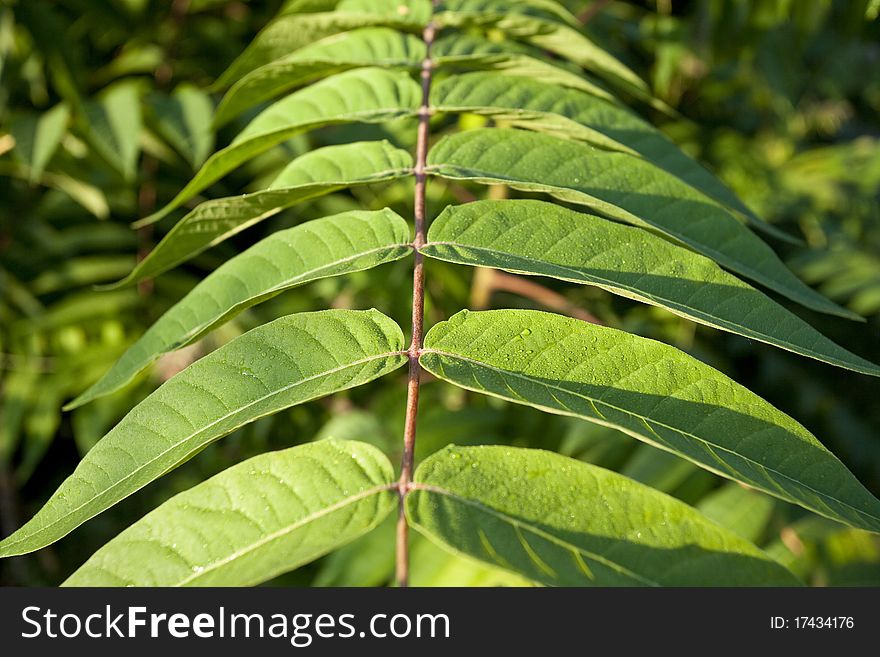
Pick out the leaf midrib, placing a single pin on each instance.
(519, 524)
(188, 438)
(874, 520)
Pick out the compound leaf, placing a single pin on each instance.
(541, 104)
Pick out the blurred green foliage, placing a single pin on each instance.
(781, 98)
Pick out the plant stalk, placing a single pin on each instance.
(418, 313)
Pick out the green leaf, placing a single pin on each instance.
(37, 138)
(546, 34)
(543, 9)
(291, 32)
(513, 58)
(652, 392)
(265, 516)
(184, 121)
(317, 173)
(413, 11)
(432, 565)
(372, 46)
(740, 509)
(368, 95)
(306, 6)
(534, 237)
(112, 124)
(538, 103)
(289, 361)
(562, 522)
(347, 242)
(623, 187)
(88, 196)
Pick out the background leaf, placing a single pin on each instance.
(184, 120)
(112, 124)
(37, 138)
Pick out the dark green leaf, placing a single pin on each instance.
(184, 120)
(37, 138)
(563, 522)
(113, 126)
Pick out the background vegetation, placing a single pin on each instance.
(104, 115)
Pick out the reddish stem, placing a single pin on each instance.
(418, 314)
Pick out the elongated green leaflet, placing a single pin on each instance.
(542, 105)
(544, 33)
(257, 519)
(544, 9)
(288, 361)
(317, 173)
(289, 33)
(651, 391)
(523, 66)
(534, 237)
(368, 95)
(623, 187)
(348, 242)
(376, 46)
(562, 522)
